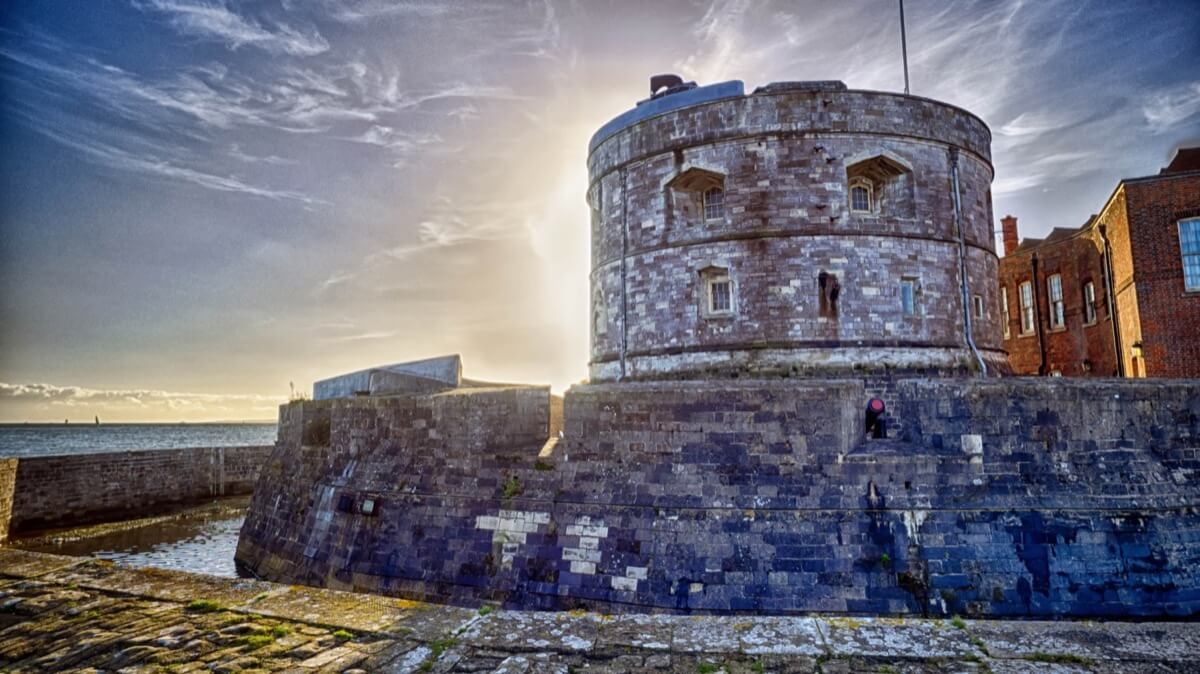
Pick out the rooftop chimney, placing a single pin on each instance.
(1009, 225)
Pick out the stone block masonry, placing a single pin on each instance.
(1015, 497)
(73, 614)
(50, 491)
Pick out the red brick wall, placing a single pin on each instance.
(1170, 316)
(1077, 349)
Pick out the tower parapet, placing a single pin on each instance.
(804, 228)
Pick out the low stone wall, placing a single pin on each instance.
(1019, 497)
(49, 491)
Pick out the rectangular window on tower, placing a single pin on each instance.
(720, 297)
(977, 303)
(1055, 297)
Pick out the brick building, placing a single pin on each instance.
(1117, 296)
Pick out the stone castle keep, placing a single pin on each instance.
(763, 265)
(802, 228)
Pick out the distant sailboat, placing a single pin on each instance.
(97, 419)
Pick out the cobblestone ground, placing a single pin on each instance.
(81, 615)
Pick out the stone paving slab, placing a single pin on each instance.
(897, 638)
(1170, 642)
(93, 617)
(22, 564)
(161, 583)
(360, 612)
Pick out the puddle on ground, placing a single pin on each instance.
(196, 544)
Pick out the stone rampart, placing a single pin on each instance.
(1003, 498)
(51, 491)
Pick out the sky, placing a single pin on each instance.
(204, 203)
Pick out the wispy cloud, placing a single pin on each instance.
(236, 152)
(1166, 109)
(361, 337)
(399, 143)
(216, 21)
(449, 232)
(361, 11)
(163, 168)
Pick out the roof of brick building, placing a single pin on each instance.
(1056, 235)
(1186, 159)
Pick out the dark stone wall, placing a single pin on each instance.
(1016, 497)
(51, 491)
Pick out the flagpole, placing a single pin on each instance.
(904, 46)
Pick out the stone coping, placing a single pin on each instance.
(59, 613)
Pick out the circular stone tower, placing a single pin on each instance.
(801, 229)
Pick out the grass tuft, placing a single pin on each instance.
(253, 642)
(203, 606)
(1058, 658)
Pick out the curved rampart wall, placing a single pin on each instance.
(1006, 498)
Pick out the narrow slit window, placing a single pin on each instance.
(908, 297)
(977, 302)
(1004, 315)
(714, 203)
(1026, 308)
(1055, 295)
(1089, 303)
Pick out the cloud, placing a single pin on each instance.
(145, 399)
(236, 152)
(1030, 123)
(214, 20)
(361, 337)
(721, 41)
(362, 11)
(1166, 109)
(451, 231)
(121, 159)
(399, 143)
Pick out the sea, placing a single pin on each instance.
(201, 545)
(25, 440)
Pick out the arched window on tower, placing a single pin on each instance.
(860, 196)
(714, 203)
(696, 197)
(880, 185)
